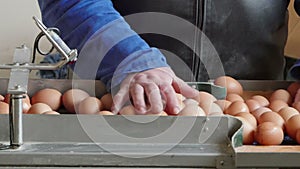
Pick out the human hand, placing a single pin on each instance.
(153, 91)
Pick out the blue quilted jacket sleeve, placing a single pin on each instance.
(108, 48)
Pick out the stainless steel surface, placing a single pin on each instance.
(116, 141)
(17, 87)
(16, 120)
(58, 43)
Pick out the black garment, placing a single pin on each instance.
(248, 35)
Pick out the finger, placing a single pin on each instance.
(137, 95)
(183, 88)
(153, 95)
(119, 100)
(297, 96)
(172, 105)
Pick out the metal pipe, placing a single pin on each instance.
(15, 118)
(31, 66)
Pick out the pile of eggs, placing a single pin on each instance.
(266, 120)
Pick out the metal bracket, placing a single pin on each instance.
(19, 75)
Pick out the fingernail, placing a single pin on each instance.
(140, 110)
(176, 110)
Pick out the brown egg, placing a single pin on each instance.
(237, 107)
(205, 97)
(205, 106)
(192, 110)
(189, 101)
(248, 131)
(107, 101)
(231, 85)
(127, 110)
(287, 112)
(292, 125)
(283, 95)
(223, 104)
(263, 101)
(232, 97)
(51, 112)
(276, 105)
(163, 113)
(72, 97)
(4, 108)
(252, 104)
(1, 98)
(105, 112)
(271, 117)
(51, 97)
(25, 102)
(268, 133)
(258, 112)
(214, 109)
(298, 136)
(292, 88)
(249, 117)
(39, 108)
(297, 97)
(296, 105)
(89, 105)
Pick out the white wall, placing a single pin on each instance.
(16, 28)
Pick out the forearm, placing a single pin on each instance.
(87, 25)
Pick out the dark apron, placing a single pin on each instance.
(249, 35)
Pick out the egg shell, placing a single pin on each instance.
(51, 112)
(26, 104)
(292, 125)
(296, 105)
(258, 112)
(223, 104)
(248, 131)
(281, 94)
(268, 133)
(190, 101)
(292, 88)
(105, 112)
(276, 105)
(287, 112)
(263, 101)
(252, 104)
(205, 106)
(237, 107)
(231, 85)
(272, 117)
(107, 101)
(90, 105)
(49, 96)
(72, 97)
(4, 108)
(215, 109)
(232, 97)
(192, 110)
(204, 97)
(1, 98)
(39, 108)
(298, 136)
(163, 113)
(249, 117)
(127, 110)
